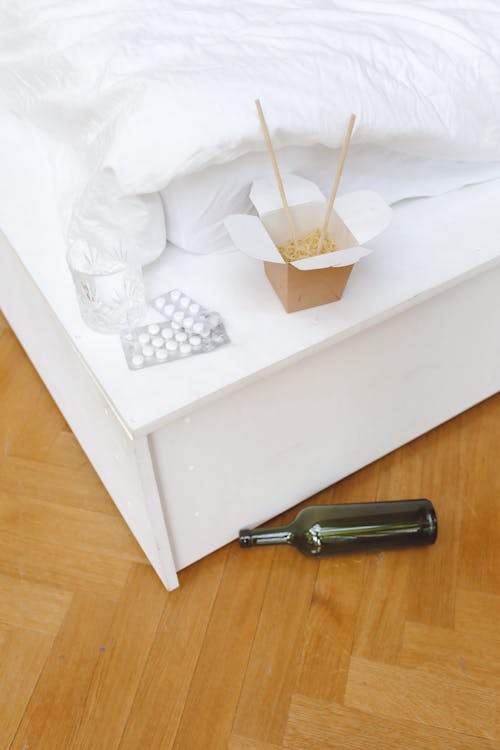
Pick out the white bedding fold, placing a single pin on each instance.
(159, 90)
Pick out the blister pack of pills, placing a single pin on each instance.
(188, 329)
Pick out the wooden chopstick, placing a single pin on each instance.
(333, 194)
(277, 174)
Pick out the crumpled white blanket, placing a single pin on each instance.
(126, 95)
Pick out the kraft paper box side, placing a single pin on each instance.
(299, 290)
(357, 217)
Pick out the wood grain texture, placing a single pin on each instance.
(456, 703)
(384, 600)
(259, 649)
(56, 708)
(336, 599)
(318, 725)
(80, 489)
(34, 606)
(478, 614)
(61, 566)
(443, 477)
(23, 654)
(124, 654)
(163, 688)
(453, 653)
(75, 527)
(479, 567)
(273, 665)
(216, 685)
(244, 743)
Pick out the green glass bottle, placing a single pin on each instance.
(323, 530)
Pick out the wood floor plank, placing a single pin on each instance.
(117, 674)
(330, 628)
(62, 567)
(242, 655)
(56, 709)
(318, 725)
(415, 695)
(448, 652)
(66, 451)
(335, 602)
(478, 613)
(400, 473)
(274, 661)
(20, 389)
(382, 612)
(444, 475)
(480, 533)
(244, 743)
(161, 695)
(78, 528)
(214, 691)
(381, 615)
(56, 484)
(34, 606)
(39, 431)
(22, 656)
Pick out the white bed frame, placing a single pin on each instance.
(287, 409)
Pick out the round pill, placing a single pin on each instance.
(171, 345)
(181, 336)
(178, 316)
(148, 350)
(188, 322)
(160, 302)
(194, 308)
(185, 349)
(217, 338)
(198, 327)
(175, 325)
(137, 360)
(205, 333)
(184, 302)
(167, 333)
(161, 355)
(169, 310)
(143, 338)
(175, 295)
(157, 342)
(195, 340)
(154, 329)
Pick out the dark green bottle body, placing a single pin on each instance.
(324, 530)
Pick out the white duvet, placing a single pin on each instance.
(124, 96)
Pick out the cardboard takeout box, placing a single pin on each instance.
(357, 218)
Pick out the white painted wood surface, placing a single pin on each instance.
(431, 245)
(244, 458)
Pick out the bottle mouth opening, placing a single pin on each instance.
(245, 538)
(432, 524)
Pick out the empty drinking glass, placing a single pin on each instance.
(109, 287)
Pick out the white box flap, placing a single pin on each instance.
(356, 218)
(336, 259)
(249, 235)
(365, 213)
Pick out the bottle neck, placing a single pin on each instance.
(259, 537)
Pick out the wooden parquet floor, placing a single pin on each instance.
(258, 649)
